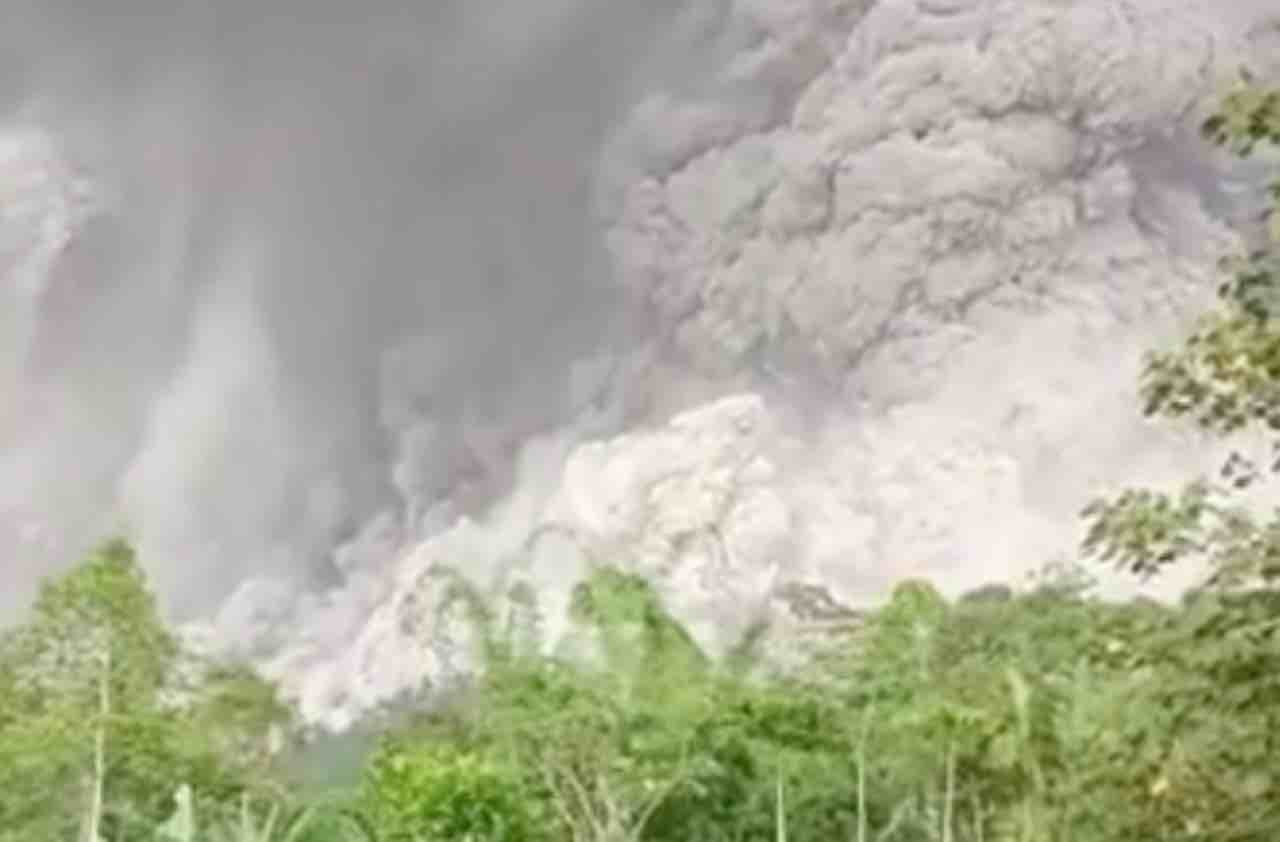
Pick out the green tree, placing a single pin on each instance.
(102, 714)
(1222, 658)
(1225, 377)
(649, 741)
(433, 790)
(1042, 717)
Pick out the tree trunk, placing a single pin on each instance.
(93, 824)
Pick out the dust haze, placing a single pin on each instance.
(308, 275)
(288, 194)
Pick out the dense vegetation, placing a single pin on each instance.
(1046, 715)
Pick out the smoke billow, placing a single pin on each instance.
(295, 289)
(287, 197)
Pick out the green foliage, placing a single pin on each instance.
(103, 608)
(425, 790)
(1225, 377)
(249, 821)
(1214, 690)
(1044, 715)
(1019, 718)
(1250, 115)
(634, 627)
(101, 713)
(653, 743)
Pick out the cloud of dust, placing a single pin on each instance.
(346, 251)
(293, 192)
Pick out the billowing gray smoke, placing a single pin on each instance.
(751, 296)
(287, 194)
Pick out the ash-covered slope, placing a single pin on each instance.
(892, 267)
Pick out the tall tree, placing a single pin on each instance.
(102, 713)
